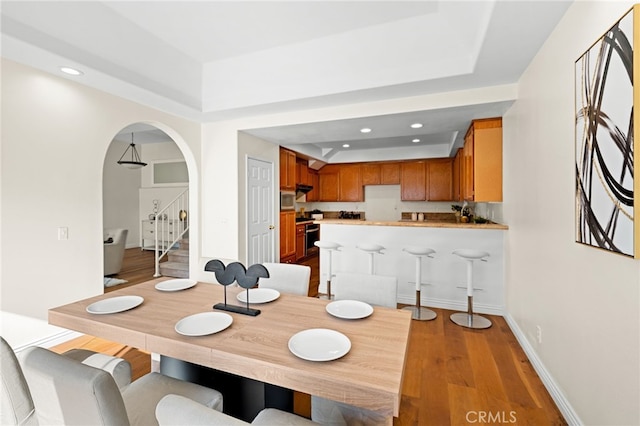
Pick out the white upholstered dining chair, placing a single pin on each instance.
(379, 290)
(287, 278)
(16, 403)
(61, 390)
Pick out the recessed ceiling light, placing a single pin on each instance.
(365, 130)
(346, 145)
(415, 140)
(71, 71)
(416, 125)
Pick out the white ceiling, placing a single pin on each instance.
(216, 60)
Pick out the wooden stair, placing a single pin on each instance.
(177, 264)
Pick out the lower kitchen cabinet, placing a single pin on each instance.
(300, 241)
(287, 237)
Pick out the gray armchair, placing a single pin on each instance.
(114, 244)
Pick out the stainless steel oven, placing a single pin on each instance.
(311, 235)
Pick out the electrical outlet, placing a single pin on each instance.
(63, 233)
(539, 334)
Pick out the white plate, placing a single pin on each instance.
(319, 344)
(114, 304)
(259, 295)
(203, 323)
(176, 285)
(349, 309)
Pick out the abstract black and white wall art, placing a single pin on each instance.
(604, 145)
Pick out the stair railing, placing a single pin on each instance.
(171, 224)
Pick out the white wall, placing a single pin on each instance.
(120, 194)
(55, 135)
(586, 300)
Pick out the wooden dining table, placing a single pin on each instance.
(369, 375)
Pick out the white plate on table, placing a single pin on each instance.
(319, 344)
(114, 304)
(176, 285)
(349, 309)
(259, 295)
(203, 323)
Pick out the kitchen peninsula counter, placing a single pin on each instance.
(443, 276)
(413, 223)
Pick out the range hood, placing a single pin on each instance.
(303, 189)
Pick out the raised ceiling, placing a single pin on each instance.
(217, 60)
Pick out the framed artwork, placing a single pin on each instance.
(604, 145)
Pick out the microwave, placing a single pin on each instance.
(287, 200)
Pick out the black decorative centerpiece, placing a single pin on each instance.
(235, 271)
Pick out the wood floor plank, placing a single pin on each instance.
(486, 373)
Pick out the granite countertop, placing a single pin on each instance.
(413, 223)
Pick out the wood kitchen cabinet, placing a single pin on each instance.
(329, 180)
(390, 173)
(287, 169)
(341, 182)
(439, 179)
(302, 172)
(314, 181)
(370, 173)
(300, 241)
(482, 161)
(413, 175)
(457, 176)
(350, 183)
(287, 237)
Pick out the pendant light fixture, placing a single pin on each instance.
(135, 162)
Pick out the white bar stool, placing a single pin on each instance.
(420, 313)
(371, 249)
(330, 247)
(469, 319)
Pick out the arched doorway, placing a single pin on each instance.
(144, 202)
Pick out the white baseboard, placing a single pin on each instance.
(552, 387)
(50, 340)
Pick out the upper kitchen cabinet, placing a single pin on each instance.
(413, 181)
(439, 179)
(380, 173)
(351, 183)
(314, 181)
(341, 182)
(329, 180)
(390, 173)
(370, 173)
(457, 176)
(482, 161)
(302, 172)
(287, 169)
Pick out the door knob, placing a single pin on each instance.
(272, 227)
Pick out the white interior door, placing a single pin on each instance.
(260, 199)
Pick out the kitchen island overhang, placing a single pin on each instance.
(443, 276)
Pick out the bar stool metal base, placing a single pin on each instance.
(470, 320)
(328, 295)
(421, 313)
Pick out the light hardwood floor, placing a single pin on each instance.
(453, 375)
